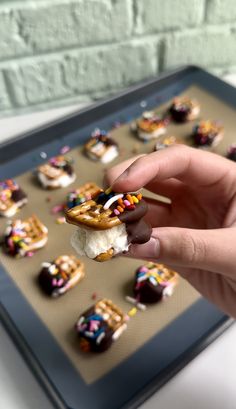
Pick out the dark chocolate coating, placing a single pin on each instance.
(232, 156)
(138, 230)
(12, 251)
(106, 342)
(179, 116)
(203, 140)
(131, 216)
(45, 281)
(68, 169)
(148, 293)
(18, 195)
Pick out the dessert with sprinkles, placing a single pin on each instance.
(23, 237)
(58, 172)
(184, 109)
(207, 133)
(150, 126)
(78, 196)
(231, 152)
(12, 198)
(59, 276)
(108, 224)
(166, 142)
(100, 326)
(154, 282)
(101, 147)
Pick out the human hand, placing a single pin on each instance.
(196, 233)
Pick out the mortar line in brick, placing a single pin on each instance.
(205, 5)
(25, 4)
(4, 63)
(103, 46)
(10, 89)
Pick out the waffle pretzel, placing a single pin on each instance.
(35, 229)
(70, 266)
(164, 273)
(110, 313)
(51, 172)
(92, 215)
(61, 275)
(12, 198)
(85, 192)
(100, 326)
(149, 123)
(89, 188)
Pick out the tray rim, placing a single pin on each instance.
(223, 323)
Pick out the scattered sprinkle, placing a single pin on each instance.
(43, 155)
(30, 254)
(57, 209)
(61, 220)
(48, 199)
(135, 302)
(108, 190)
(64, 149)
(94, 296)
(143, 104)
(132, 312)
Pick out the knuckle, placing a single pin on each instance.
(193, 249)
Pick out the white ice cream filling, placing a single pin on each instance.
(62, 181)
(91, 243)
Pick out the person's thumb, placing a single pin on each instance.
(212, 250)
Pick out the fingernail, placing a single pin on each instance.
(123, 176)
(151, 249)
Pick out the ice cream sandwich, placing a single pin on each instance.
(149, 126)
(12, 198)
(154, 282)
(59, 276)
(58, 172)
(24, 237)
(100, 326)
(107, 224)
(101, 147)
(184, 109)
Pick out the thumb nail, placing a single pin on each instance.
(151, 249)
(121, 177)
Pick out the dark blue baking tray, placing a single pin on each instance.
(140, 375)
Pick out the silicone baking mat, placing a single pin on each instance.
(111, 279)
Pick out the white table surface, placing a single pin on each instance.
(207, 382)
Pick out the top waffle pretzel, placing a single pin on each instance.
(51, 172)
(92, 215)
(35, 229)
(69, 266)
(110, 313)
(162, 273)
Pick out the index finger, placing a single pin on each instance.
(188, 165)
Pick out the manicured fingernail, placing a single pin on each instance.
(151, 249)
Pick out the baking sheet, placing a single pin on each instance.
(112, 279)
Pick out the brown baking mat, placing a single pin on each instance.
(111, 279)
